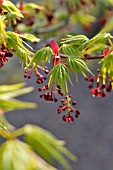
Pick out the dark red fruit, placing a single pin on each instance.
(76, 115)
(68, 119)
(39, 89)
(55, 100)
(58, 111)
(77, 112)
(73, 103)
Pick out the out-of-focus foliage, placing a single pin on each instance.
(47, 146)
(15, 154)
(8, 94)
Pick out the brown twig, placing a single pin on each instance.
(95, 57)
(87, 57)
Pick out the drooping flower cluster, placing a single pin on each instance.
(98, 84)
(68, 106)
(98, 88)
(4, 54)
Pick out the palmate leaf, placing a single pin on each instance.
(76, 40)
(15, 155)
(70, 49)
(41, 56)
(76, 64)
(29, 37)
(97, 43)
(95, 49)
(59, 75)
(10, 7)
(47, 146)
(98, 39)
(13, 41)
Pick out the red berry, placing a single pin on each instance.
(25, 76)
(108, 89)
(46, 71)
(86, 78)
(39, 81)
(58, 111)
(90, 86)
(62, 100)
(103, 94)
(39, 89)
(91, 79)
(73, 103)
(55, 100)
(29, 77)
(94, 92)
(103, 86)
(68, 119)
(77, 112)
(76, 115)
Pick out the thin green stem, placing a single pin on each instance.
(17, 133)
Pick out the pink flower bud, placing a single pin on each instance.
(54, 46)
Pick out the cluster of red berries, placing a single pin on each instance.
(4, 54)
(96, 85)
(40, 77)
(68, 106)
(28, 73)
(49, 95)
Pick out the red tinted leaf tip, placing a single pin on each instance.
(20, 6)
(54, 46)
(105, 52)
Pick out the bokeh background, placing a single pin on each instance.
(90, 137)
